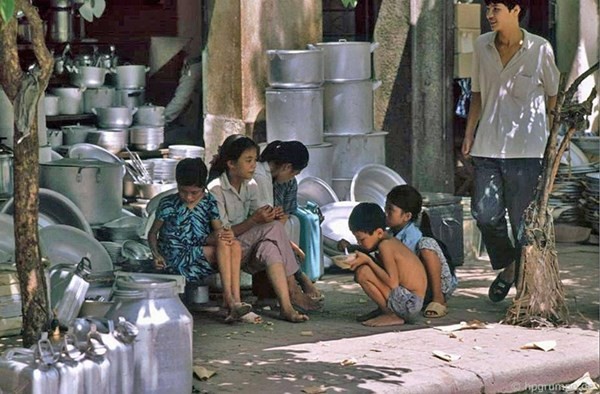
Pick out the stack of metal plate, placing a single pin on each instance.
(591, 198)
(567, 191)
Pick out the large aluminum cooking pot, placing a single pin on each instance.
(87, 76)
(71, 100)
(51, 105)
(114, 117)
(348, 106)
(319, 163)
(131, 76)
(131, 98)
(352, 151)
(150, 115)
(101, 97)
(6, 175)
(295, 68)
(75, 134)
(295, 114)
(347, 61)
(95, 186)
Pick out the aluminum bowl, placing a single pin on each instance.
(149, 190)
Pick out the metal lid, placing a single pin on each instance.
(87, 163)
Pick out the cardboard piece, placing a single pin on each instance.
(467, 16)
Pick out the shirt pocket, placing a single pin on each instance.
(523, 85)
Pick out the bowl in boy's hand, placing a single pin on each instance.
(343, 260)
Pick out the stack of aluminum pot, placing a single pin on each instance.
(348, 111)
(294, 105)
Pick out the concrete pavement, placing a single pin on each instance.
(280, 357)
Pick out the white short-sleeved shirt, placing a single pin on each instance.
(264, 180)
(235, 207)
(513, 121)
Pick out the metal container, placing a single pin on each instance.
(69, 368)
(6, 175)
(67, 295)
(445, 214)
(295, 68)
(295, 114)
(113, 140)
(348, 106)
(26, 371)
(101, 97)
(150, 115)
(95, 186)
(87, 76)
(114, 117)
(61, 24)
(163, 347)
(131, 76)
(51, 105)
(96, 366)
(341, 187)
(319, 162)
(75, 134)
(353, 151)
(131, 98)
(55, 137)
(347, 61)
(71, 100)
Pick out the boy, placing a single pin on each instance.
(188, 238)
(398, 283)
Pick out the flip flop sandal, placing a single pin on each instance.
(435, 310)
(499, 289)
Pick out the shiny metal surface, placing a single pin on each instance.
(353, 151)
(316, 190)
(295, 68)
(373, 182)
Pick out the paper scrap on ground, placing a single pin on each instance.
(306, 333)
(445, 356)
(585, 382)
(470, 325)
(348, 361)
(314, 390)
(542, 345)
(202, 373)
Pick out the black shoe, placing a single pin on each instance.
(499, 289)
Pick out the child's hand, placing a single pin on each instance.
(343, 245)
(159, 262)
(360, 259)
(226, 234)
(264, 214)
(278, 212)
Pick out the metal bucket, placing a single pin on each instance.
(348, 106)
(352, 151)
(319, 162)
(295, 114)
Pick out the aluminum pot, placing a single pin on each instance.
(114, 140)
(295, 68)
(114, 117)
(319, 163)
(131, 76)
(95, 186)
(347, 61)
(55, 137)
(101, 97)
(348, 106)
(51, 105)
(131, 98)
(75, 134)
(352, 151)
(87, 76)
(6, 175)
(150, 115)
(295, 114)
(71, 100)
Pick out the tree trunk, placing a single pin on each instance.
(540, 299)
(24, 91)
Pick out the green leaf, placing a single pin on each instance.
(349, 3)
(7, 9)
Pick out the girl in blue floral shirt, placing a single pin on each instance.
(188, 238)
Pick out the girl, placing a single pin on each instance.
(275, 174)
(182, 242)
(265, 246)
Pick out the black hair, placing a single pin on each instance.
(510, 4)
(406, 198)
(191, 172)
(282, 152)
(231, 149)
(366, 217)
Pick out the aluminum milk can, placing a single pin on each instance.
(68, 296)
(163, 348)
(96, 367)
(29, 371)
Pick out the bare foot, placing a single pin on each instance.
(369, 315)
(384, 320)
(303, 301)
(293, 316)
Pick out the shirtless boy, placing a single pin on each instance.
(398, 282)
